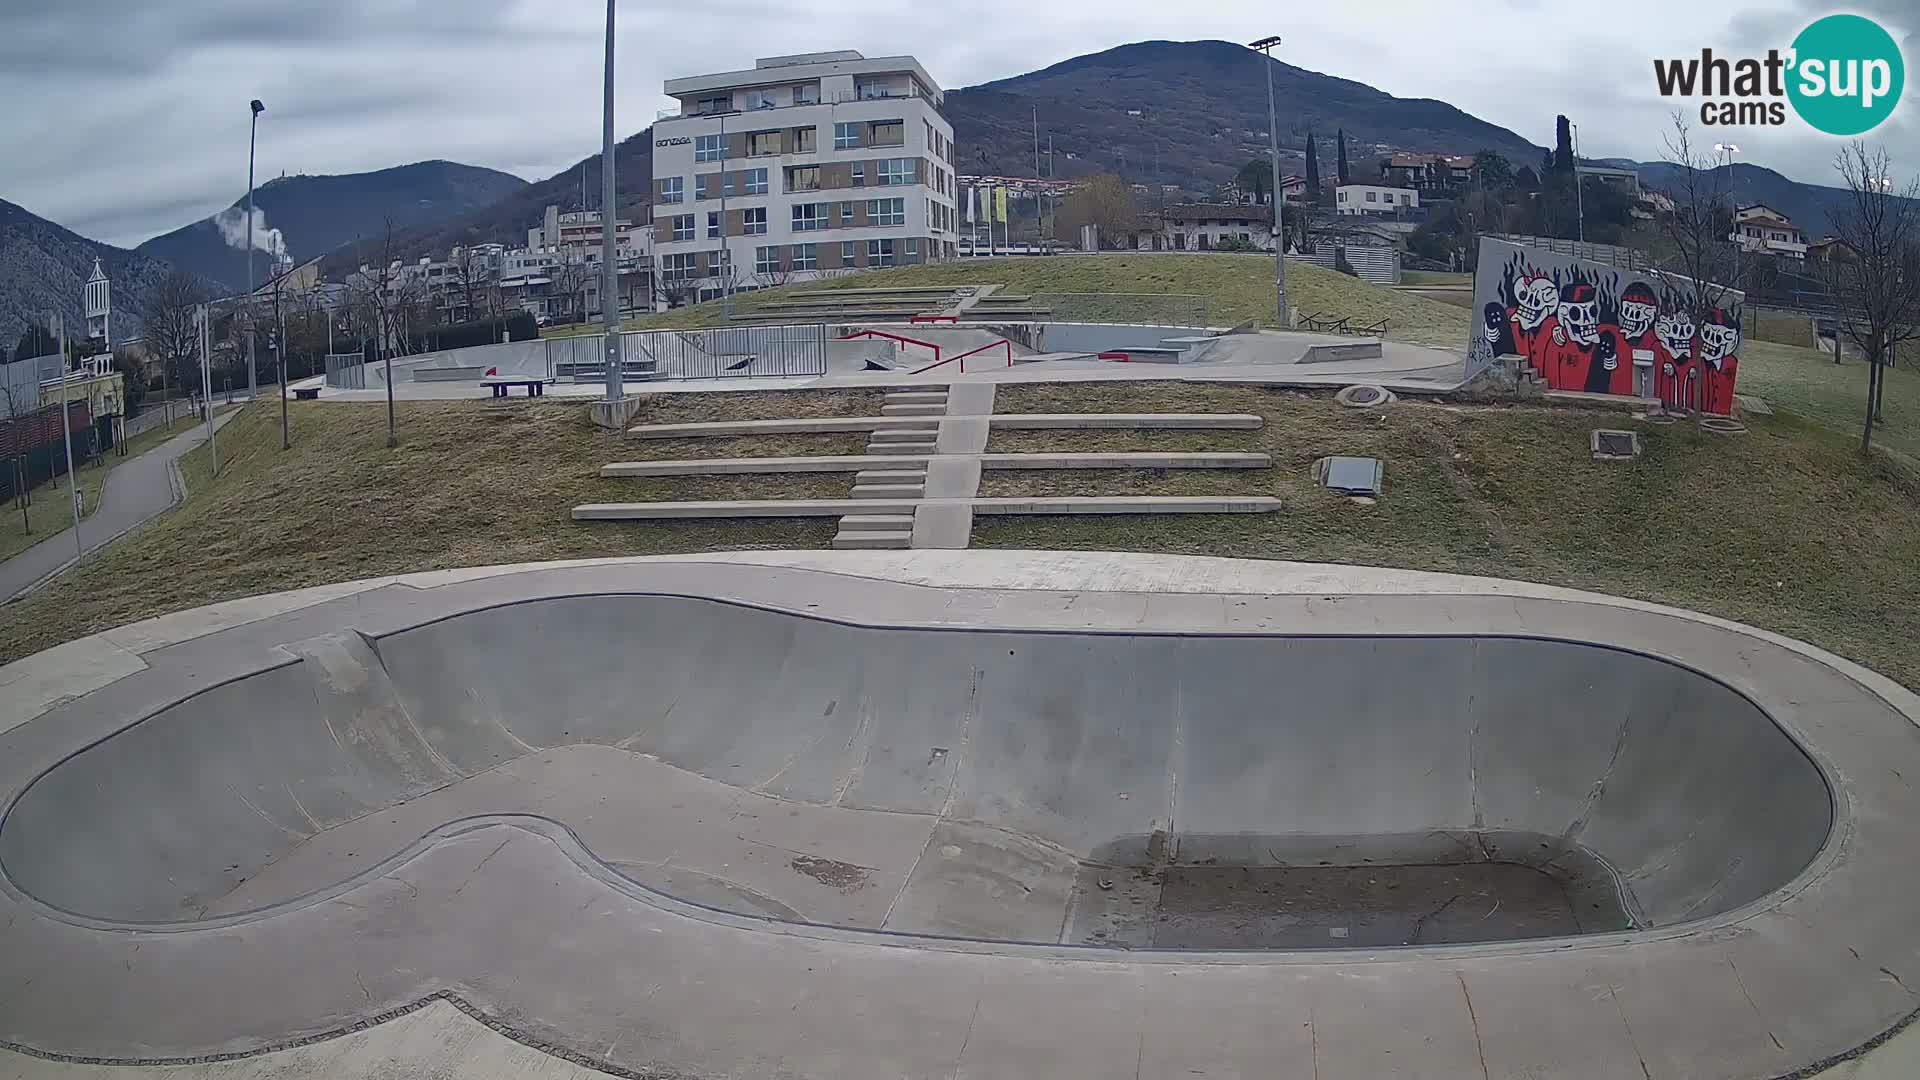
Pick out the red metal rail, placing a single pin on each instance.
(934, 319)
(896, 337)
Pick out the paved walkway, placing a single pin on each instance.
(137, 489)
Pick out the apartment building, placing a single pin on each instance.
(1374, 199)
(804, 166)
(1761, 228)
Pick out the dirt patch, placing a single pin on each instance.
(833, 873)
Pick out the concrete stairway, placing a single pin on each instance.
(907, 481)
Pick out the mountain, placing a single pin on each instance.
(1202, 113)
(1806, 204)
(45, 267)
(507, 220)
(307, 216)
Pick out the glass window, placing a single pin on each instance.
(806, 94)
(846, 136)
(807, 217)
(859, 174)
(713, 225)
(872, 90)
(847, 249)
(762, 99)
(754, 220)
(913, 247)
(766, 260)
(894, 171)
(720, 104)
(756, 181)
(683, 227)
(889, 133)
(846, 213)
(1370, 196)
(803, 140)
(677, 267)
(805, 257)
(673, 189)
(707, 147)
(763, 143)
(803, 178)
(879, 253)
(886, 211)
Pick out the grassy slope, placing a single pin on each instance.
(1237, 287)
(1785, 528)
(471, 483)
(48, 514)
(1809, 383)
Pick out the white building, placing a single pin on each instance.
(1373, 199)
(1763, 229)
(804, 166)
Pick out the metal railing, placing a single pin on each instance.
(730, 352)
(346, 371)
(1151, 309)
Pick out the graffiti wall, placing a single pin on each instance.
(1587, 326)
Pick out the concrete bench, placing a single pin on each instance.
(306, 393)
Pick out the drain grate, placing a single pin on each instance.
(1615, 445)
(1351, 475)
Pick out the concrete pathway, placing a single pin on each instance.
(136, 490)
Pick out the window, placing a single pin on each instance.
(846, 214)
(720, 104)
(846, 136)
(677, 267)
(879, 253)
(870, 91)
(713, 225)
(894, 171)
(803, 140)
(683, 227)
(805, 257)
(707, 147)
(803, 178)
(673, 189)
(763, 143)
(754, 221)
(808, 217)
(847, 249)
(859, 174)
(913, 249)
(1343, 196)
(756, 181)
(933, 140)
(762, 99)
(886, 211)
(1370, 196)
(766, 260)
(888, 133)
(806, 94)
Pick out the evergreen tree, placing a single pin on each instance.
(1313, 172)
(1343, 175)
(1563, 145)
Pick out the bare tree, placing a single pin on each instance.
(171, 316)
(1700, 227)
(376, 291)
(17, 450)
(673, 290)
(1875, 276)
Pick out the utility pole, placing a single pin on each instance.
(725, 269)
(66, 429)
(1264, 47)
(253, 128)
(1579, 188)
(280, 361)
(609, 270)
(206, 383)
(1039, 214)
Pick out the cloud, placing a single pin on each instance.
(145, 126)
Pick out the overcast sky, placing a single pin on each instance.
(122, 119)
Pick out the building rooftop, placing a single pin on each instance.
(776, 70)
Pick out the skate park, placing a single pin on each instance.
(981, 812)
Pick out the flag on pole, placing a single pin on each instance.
(971, 192)
(1000, 204)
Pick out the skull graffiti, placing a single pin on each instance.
(1538, 298)
(1579, 315)
(1675, 330)
(1638, 307)
(1718, 339)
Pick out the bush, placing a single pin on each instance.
(1341, 264)
(519, 326)
(1234, 243)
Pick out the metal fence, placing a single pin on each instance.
(1374, 264)
(347, 371)
(729, 352)
(1151, 309)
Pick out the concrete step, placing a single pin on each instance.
(916, 397)
(877, 523)
(890, 476)
(888, 491)
(872, 541)
(914, 410)
(798, 426)
(901, 448)
(1144, 421)
(899, 435)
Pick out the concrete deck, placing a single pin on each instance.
(182, 850)
(828, 463)
(910, 428)
(909, 496)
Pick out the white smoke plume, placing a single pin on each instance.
(232, 223)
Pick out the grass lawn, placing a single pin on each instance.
(472, 483)
(48, 514)
(1809, 383)
(1236, 287)
(1785, 528)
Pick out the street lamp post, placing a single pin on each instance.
(1264, 47)
(1730, 149)
(609, 271)
(253, 128)
(1579, 188)
(66, 429)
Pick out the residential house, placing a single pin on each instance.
(1374, 199)
(1428, 172)
(1760, 228)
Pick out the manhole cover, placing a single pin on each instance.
(1364, 396)
(1722, 425)
(1615, 445)
(1352, 475)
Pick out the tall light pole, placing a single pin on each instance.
(1264, 47)
(1730, 149)
(66, 429)
(253, 128)
(609, 271)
